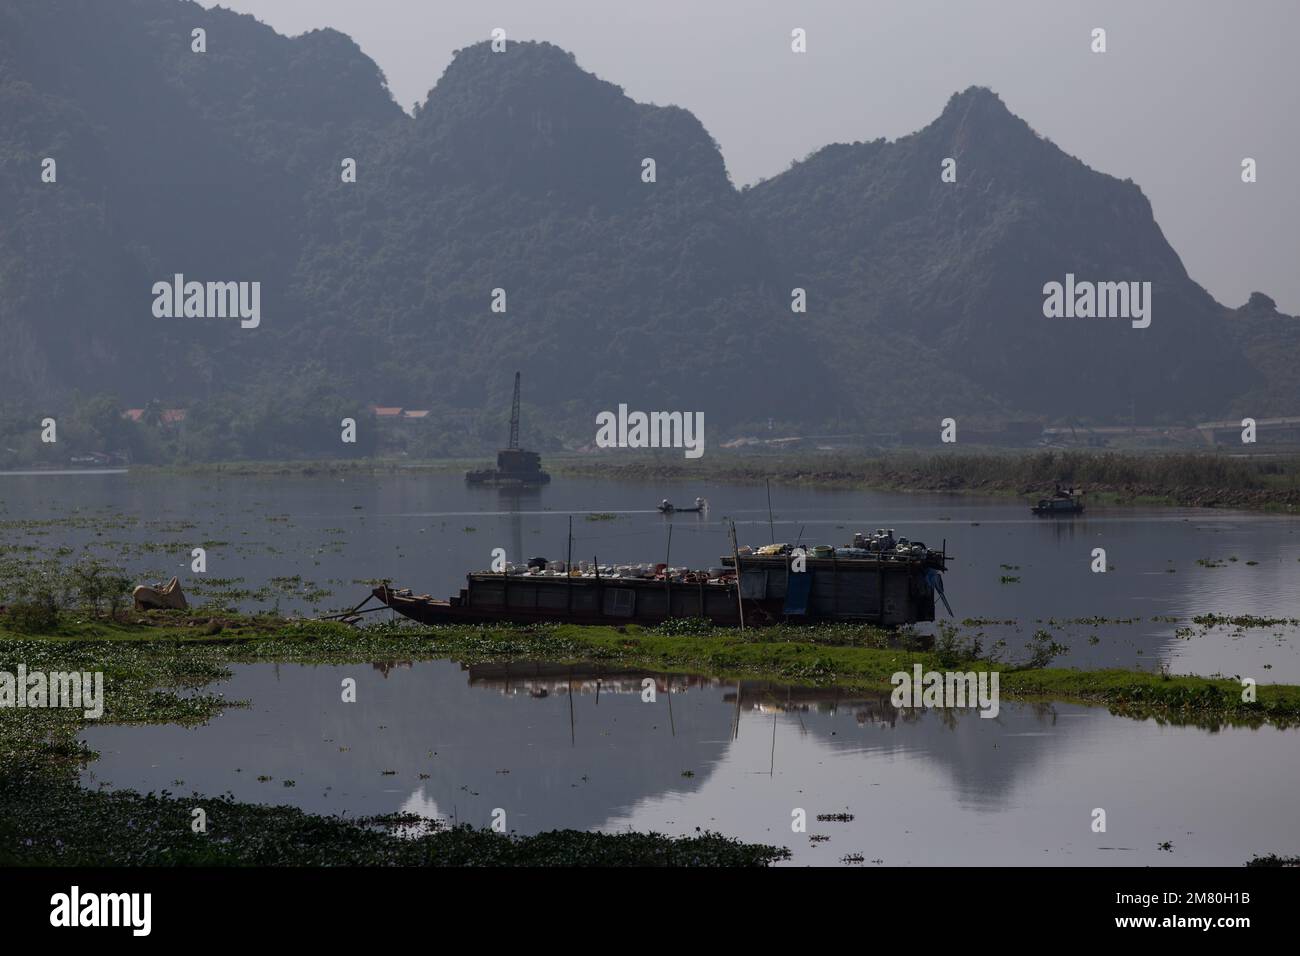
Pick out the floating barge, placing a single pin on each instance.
(514, 467)
(884, 587)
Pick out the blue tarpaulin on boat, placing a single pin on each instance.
(935, 580)
(798, 587)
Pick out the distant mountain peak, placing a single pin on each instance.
(530, 52)
(980, 112)
(1260, 303)
(976, 97)
(523, 64)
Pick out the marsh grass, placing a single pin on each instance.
(1132, 478)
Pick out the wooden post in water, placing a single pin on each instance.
(735, 559)
(880, 583)
(671, 723)
(771, 770)
(835, 586)
(668, 581)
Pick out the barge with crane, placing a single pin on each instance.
(515, 466)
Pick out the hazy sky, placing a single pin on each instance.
(1186, 90)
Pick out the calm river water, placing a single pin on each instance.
(920, 788)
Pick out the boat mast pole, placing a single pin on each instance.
(771, 531)
(568, 572)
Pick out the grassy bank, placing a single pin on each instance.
(142, 661)
(794, 656)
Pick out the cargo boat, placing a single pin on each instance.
(1062, 503)
(889, 587)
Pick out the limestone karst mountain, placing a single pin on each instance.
(525, 173)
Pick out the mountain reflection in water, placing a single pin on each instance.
(558, 746)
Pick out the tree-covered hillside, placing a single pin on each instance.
(522, 172)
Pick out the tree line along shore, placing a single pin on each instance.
(1187, 479)
(1182, 479)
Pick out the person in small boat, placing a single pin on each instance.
(665, 505)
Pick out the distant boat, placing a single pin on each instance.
(667, 507)
(515, 466)
(1061, 504)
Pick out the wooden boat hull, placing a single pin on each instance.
(1077, 509)
(499, 478)
(884, 592)
(719, 608)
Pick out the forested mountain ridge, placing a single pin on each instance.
(962, 266)
(168, 162)
(524, 173)
(615, 289)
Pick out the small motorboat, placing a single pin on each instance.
(667, 507)
(1063, 503)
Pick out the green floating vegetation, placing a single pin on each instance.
(1273, 860)
(52, 823)
(1243, 621)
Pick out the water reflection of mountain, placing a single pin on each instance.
(982, 763)
(548, 757)
(463, 741)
